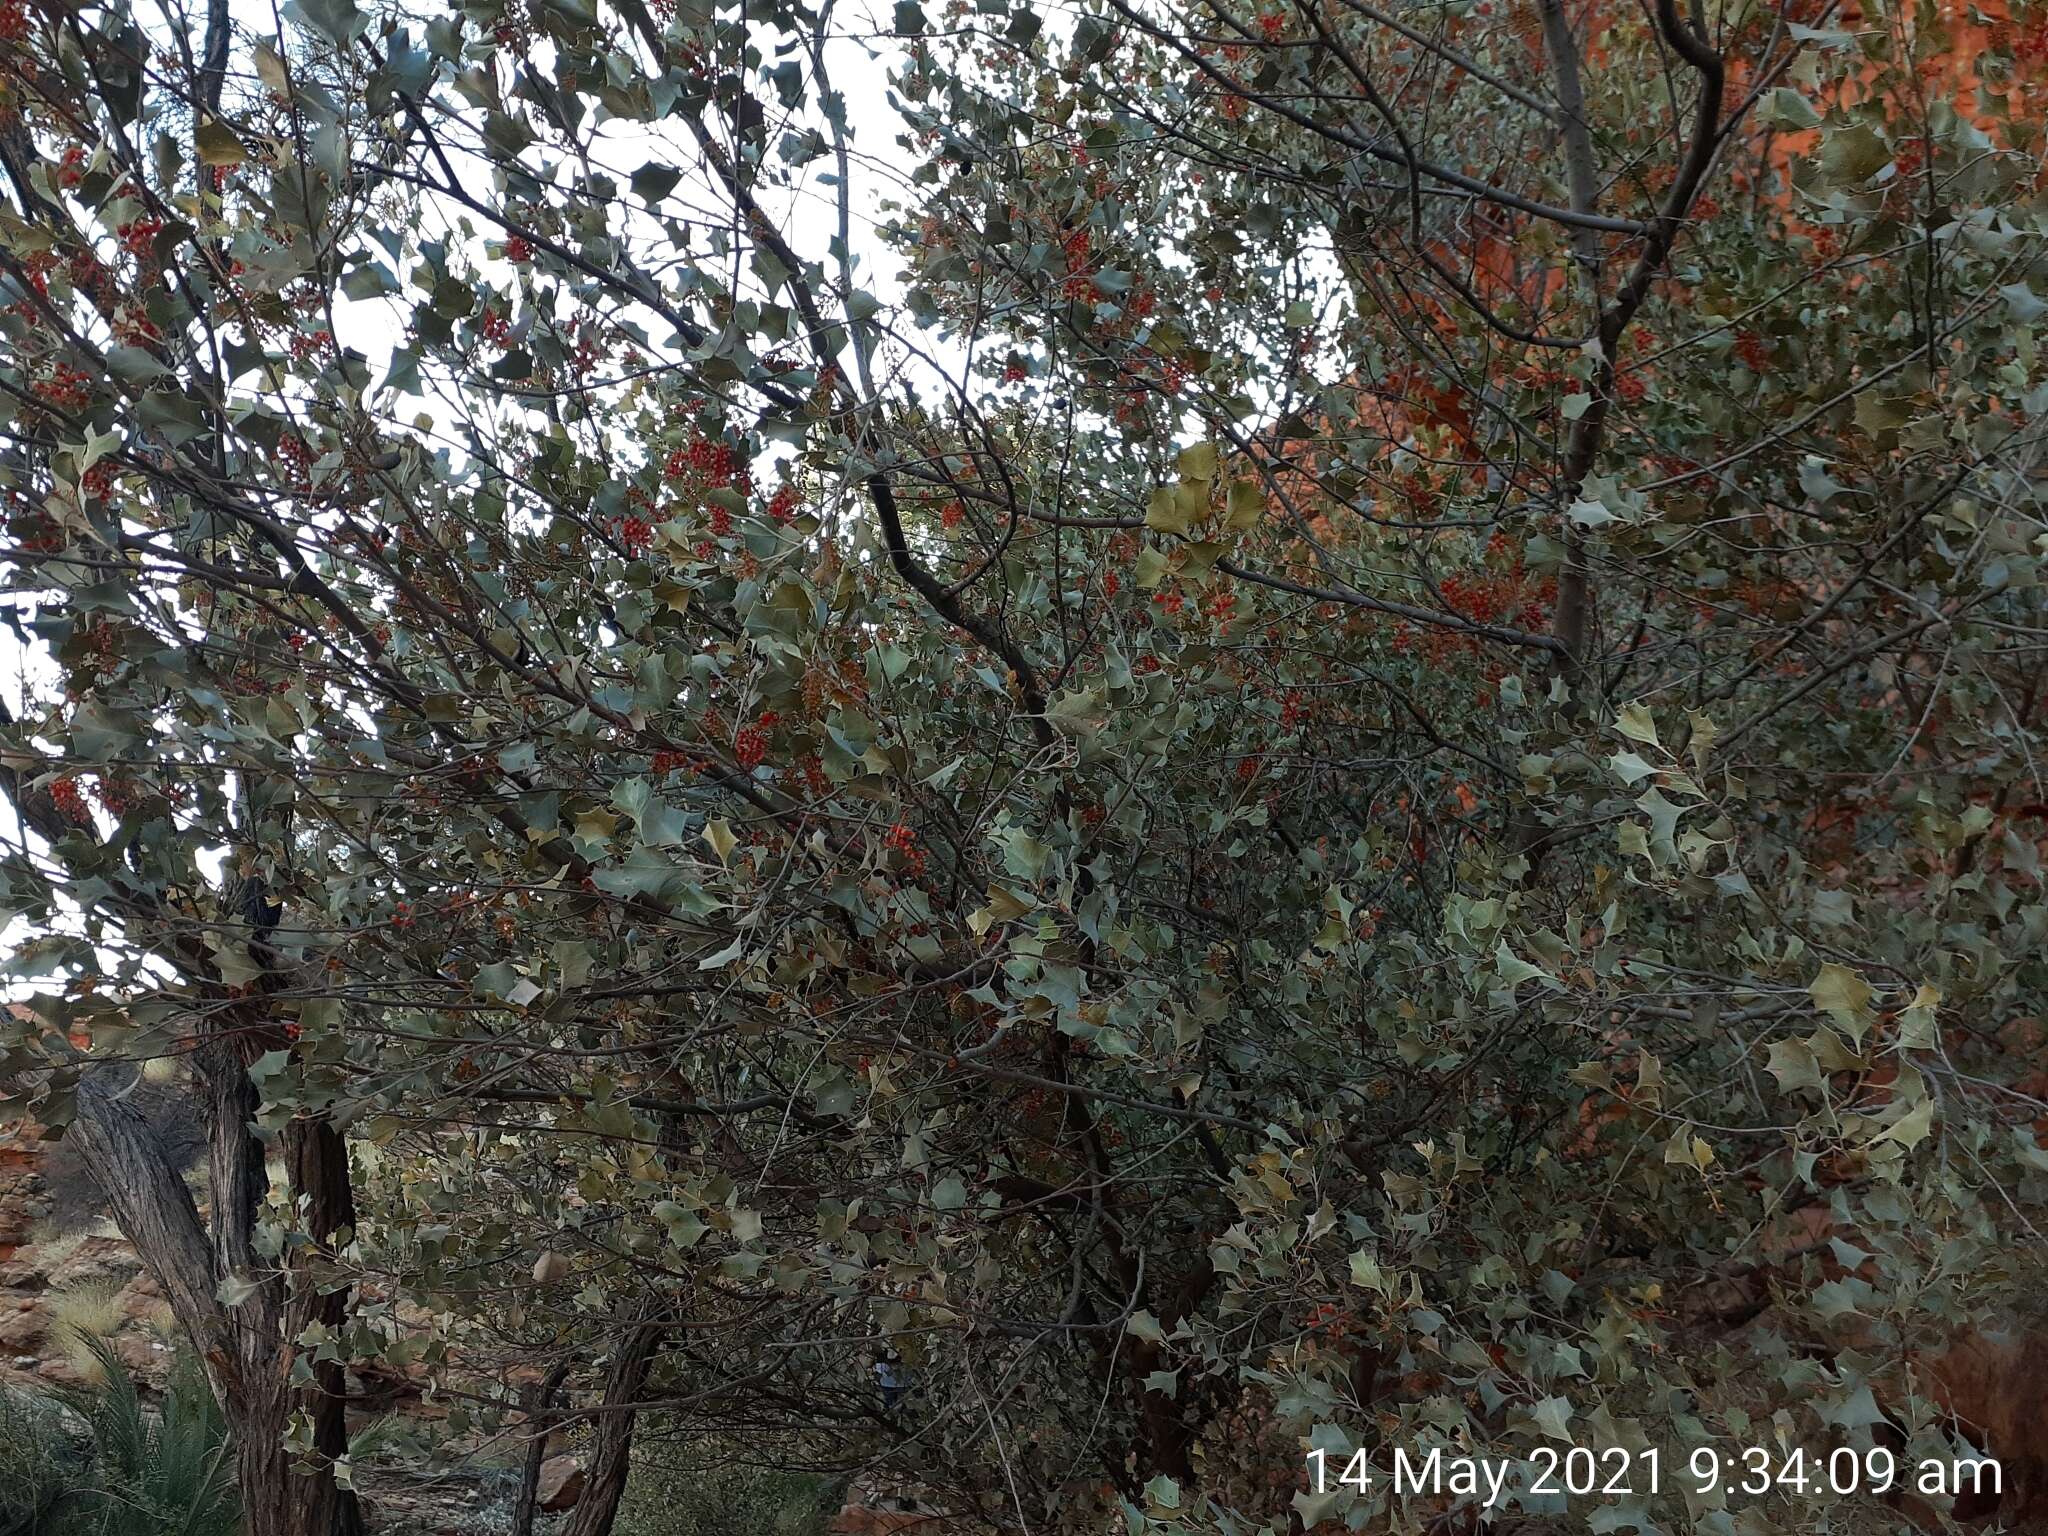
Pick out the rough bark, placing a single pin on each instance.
(245, 1349)
(154, 1210)
(611, 1444)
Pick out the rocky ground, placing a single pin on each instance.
(57, 1275)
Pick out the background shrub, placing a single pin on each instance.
(706, 1490)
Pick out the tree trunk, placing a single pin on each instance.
(245, 1348)
(540, 1422)
(611, 1445)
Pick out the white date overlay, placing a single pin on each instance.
(1614, 1473)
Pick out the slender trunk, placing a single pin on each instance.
(611, 1446)
(540, 1419)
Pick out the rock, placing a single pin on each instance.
(22, 1327)
(147, 1358)
(141, 1301)
(22, 1274)
(561, 1483)
(62, 1372)
(96, 1258)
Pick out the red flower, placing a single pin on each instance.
(750, 746)
(70, 803)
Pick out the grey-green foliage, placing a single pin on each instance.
(98, 1461)
(40, 1469)
(688, 1496)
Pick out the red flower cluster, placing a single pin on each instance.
(70, 802)
(297, 459)
(902, 840)
(118, 798)
(65, 388)
(138, 235)
(716, 463)
(750, 745)
(1482, 599)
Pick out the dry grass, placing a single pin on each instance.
(55, 1242)
(79, 1313)
(160, 1320)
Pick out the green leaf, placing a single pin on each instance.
(218, 144)
(1911, 1128)
(236, 1289)
(1637, 723)
(1842, 994)
(1553, 1416)
(1794, 1065)
(1247, 501)
(1513, 970)
(337, 20)
(1786, 108)
(720, 838)
(1853, 154)
(1079, 711)
(653, 182)
(134, 364)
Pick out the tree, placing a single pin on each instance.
(1409, 627)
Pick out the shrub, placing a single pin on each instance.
(40, 1468)
(161, 1472)
(95, 1461)
(709, 1495)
